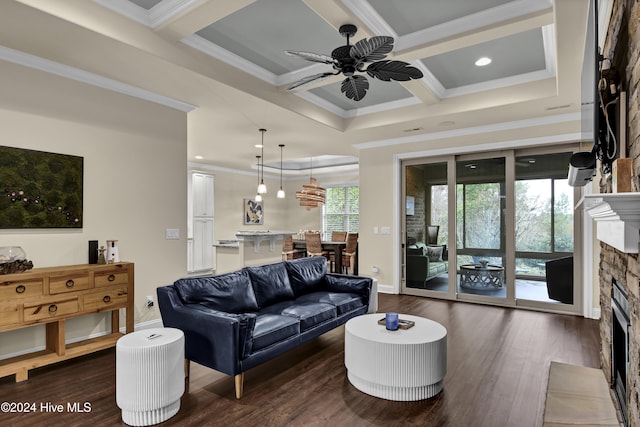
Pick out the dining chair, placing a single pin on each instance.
(314, 245)
(289, 252)
(349, 254)
(338, 236)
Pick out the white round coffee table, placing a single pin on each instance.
(402, 365)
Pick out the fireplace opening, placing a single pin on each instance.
(620, 345)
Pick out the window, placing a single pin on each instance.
(340, 212)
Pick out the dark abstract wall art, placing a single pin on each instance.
(40, 189)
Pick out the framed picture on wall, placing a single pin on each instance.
(411, 201)
(253, 212)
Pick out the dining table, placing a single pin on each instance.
(336, 247)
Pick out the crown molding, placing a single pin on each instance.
(151, 18)
(474, 130)
(72, 73)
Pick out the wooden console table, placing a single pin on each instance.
(50, 296)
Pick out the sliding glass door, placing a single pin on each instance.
(544, 225)
(426, 254)
(495, 228)
(481, 226)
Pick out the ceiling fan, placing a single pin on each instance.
(349, 59)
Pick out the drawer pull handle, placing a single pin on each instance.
(70, 283)
(112, 277)
(106, 299)
(20, 289)
(53, 308)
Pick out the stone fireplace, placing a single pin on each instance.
(621, 46)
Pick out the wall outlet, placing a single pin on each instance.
(385, 230)
(149, 303)
(375, 270)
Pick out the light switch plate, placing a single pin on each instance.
(172, 234)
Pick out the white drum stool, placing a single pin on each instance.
(149, 375)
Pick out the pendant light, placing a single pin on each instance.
(258, 196)
(311, 196)
(281, 191)
(262, 189)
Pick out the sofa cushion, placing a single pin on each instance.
(310, 314)
(272, 328)
(230, 292)
(436, 268)
(344, 302)
(434, 253)
(306, 274)
(270, 283)
(348, 284)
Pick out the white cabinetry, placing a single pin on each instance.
(201, 220)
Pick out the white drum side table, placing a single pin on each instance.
(149, 375)
(403, 365)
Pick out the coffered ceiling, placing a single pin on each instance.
(226, 59)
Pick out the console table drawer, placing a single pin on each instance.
(69, 283)
(108, 298)
(48, 310)
(20, 289)
(110, 278)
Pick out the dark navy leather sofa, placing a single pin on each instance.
(235, 321)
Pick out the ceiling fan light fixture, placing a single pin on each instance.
(349, 59)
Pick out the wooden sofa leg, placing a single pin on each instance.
(239, 380)
(187, 374)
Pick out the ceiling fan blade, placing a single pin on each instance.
(313, 57)
(393, 70)
(355, 87)
(310, 79)
(373, 49)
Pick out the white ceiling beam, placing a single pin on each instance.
(336, 14)
(410, 48)
(204, 13)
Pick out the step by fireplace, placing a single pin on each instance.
(620, 345)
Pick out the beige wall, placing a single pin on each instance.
(134, 183)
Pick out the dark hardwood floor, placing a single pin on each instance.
(498, 360)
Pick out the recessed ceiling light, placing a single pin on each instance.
(412, 130)
(258, 145)
(481, 62)
(199, 157)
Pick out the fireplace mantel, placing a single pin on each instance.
(617, 217)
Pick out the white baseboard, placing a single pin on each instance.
(386, 289)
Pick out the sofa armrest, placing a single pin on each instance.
(355, 284)
(417, 268)
(213, 338)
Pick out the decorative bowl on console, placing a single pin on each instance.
(13, 260)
